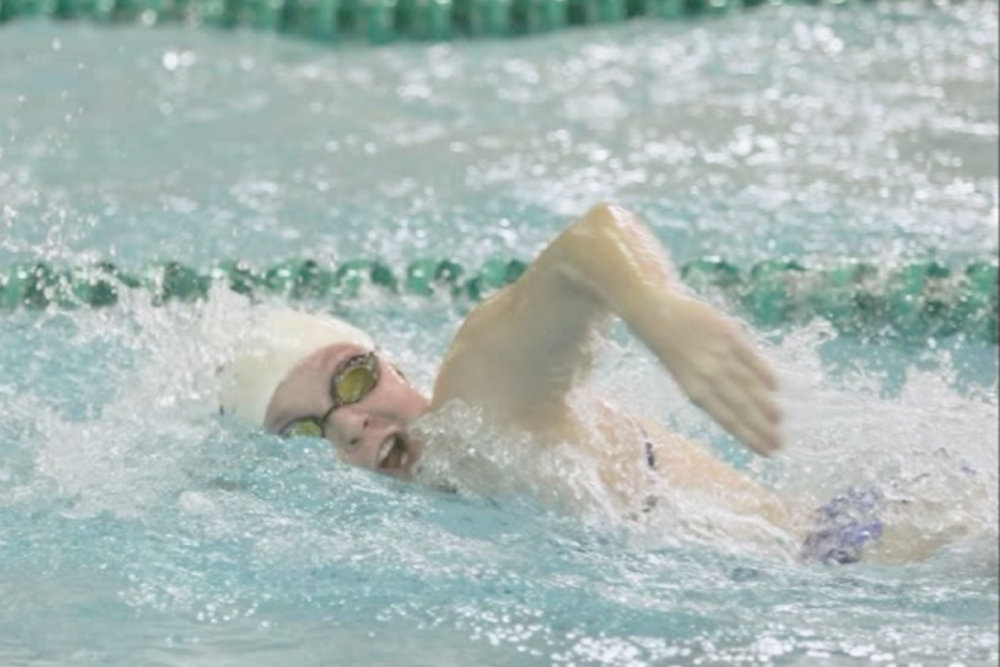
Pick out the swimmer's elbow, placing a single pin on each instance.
(605, 218)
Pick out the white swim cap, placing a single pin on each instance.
(280, 342)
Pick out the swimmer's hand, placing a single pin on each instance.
(715, 365)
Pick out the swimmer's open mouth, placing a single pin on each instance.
(394, 454)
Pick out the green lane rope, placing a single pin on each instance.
(917, 301)
(378, 21)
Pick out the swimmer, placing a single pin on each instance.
(516, 358)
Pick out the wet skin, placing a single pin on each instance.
(374, 432)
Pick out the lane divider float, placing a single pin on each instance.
(916, 301)
(376, 21)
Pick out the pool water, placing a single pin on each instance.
(137, 527)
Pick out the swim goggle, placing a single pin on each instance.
(352, 381)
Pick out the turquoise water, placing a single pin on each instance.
(136, 527)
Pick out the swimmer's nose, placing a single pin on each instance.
(353, 427)
(360, 433)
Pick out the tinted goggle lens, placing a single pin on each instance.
(303, 428)
(353, 383)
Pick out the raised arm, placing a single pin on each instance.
(518, 354)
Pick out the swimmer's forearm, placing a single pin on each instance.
(612, 257)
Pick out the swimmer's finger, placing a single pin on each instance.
(749, 357)
(764, 418)
(757, 394)
(751, 415)
(722, 402)
(763, 443)
(763, 436)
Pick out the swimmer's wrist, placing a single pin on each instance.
(652, 315)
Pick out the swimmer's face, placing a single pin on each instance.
(371, 428)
